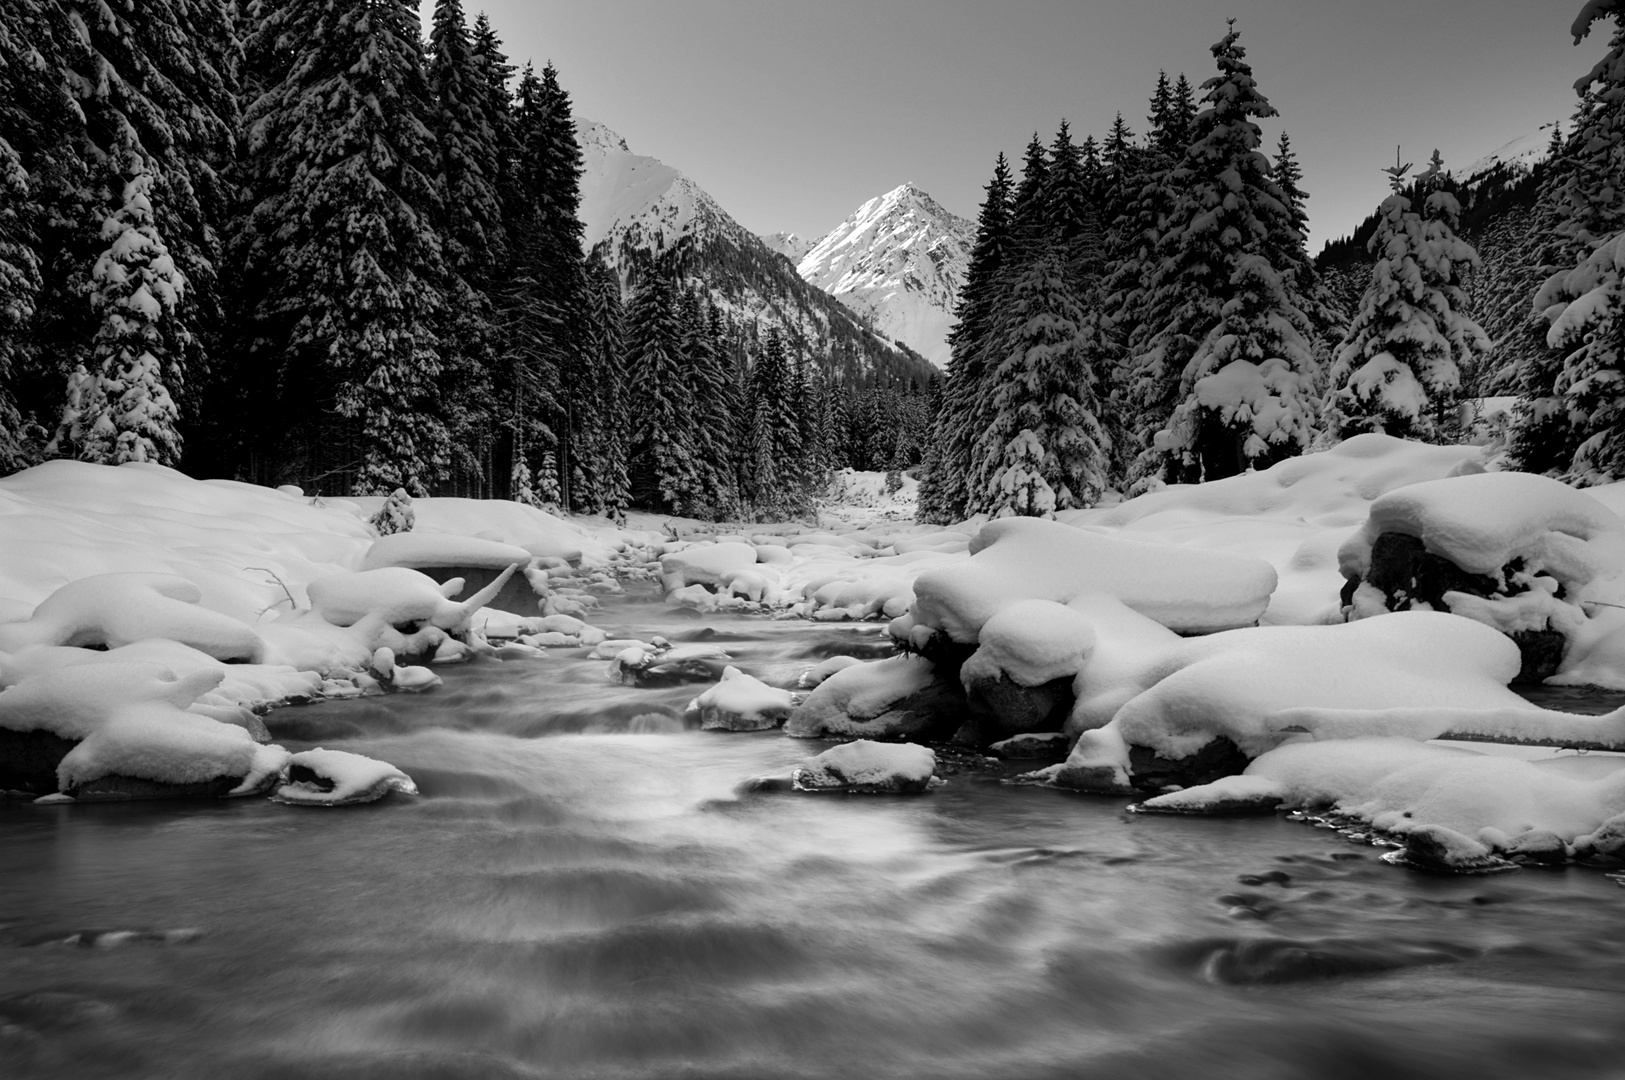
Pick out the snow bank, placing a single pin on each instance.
(505, 522)
(1185, 589)
(1508, 804)
(1294, 515)
(418, 550)
(110, 610)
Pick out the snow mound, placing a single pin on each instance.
(396, 595)
(1484, 521)
(418, 550)
(110, 610)
(1493, 799)
(1186, 589)
(1032, 642)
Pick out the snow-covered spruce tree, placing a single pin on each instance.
(1073, 218)
(472, 231)
(1399, 367)
(948, 460)
(663, 470)
(1044, 448)
(710, 386)
(342, 253)
(156, 83)
(36, 119)
(1574, 396)
(1226, 205)
(1252, 400)
(120, 405)
(544, 304)
(606, 330)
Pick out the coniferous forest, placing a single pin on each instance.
(1141, 309)
(296, 243)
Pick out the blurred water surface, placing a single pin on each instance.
(579, 892)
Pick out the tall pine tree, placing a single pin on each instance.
(342, 251)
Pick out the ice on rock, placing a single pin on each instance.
(335, 778)
(1186, 589)
(418, 549)
(742, 702)
(110, 610)
(866, 767)
(825, 668)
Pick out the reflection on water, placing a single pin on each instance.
(601, 903)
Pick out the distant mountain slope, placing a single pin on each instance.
(899, 262)
(791, 245)
(634, 207)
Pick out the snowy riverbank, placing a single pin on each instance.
(1215, 648)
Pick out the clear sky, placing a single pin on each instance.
(793, 112)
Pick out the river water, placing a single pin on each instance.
(579, 892)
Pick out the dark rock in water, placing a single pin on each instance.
(1035, 746)
(28, 760)
(1539, 847)
(126, 788)
(1407, 574)
(1608, 842)
(1002, 707)
(1541, 652)
(1149, 771)
(1269, 960)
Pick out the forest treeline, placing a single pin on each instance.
(1142, 309)
(295, 243)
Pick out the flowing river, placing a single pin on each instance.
(580, 892)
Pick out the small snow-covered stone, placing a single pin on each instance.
(742, 702)
(335, 778)
(866, 767)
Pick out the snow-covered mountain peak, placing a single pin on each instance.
(899, 261)
(1524, 152)
(634, 206)
(792, 246)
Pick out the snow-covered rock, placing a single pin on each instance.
(742, 702)
(867, 768)
(336, 778)
(903, 696)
